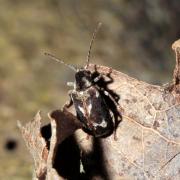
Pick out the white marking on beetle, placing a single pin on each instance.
(81, 92)
(106, 93)
(81, 109)
(102, 124)
(87, 83)
(97, 94)
(89, 108)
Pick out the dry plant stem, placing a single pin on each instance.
(148, 144)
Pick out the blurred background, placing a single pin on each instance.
(135, 38)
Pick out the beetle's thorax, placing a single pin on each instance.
(83, 79)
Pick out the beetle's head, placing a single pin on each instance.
(83, 75)
(83, 79)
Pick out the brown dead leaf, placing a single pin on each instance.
(63, 124)
(148, 144)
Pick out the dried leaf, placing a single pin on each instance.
(148, 144)
(176, 75)
(36, 145)
(63, 124)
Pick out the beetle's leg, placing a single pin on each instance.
(97, 78)
(119, 108)
(106, 93)
(108, 75)
(70, 102)
(104, 74)
(111, 97)
(71, 84)
(117, 113)
(114, 101)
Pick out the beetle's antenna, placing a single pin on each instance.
(91, 43)
(60, 61)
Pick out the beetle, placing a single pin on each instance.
(88, 98)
